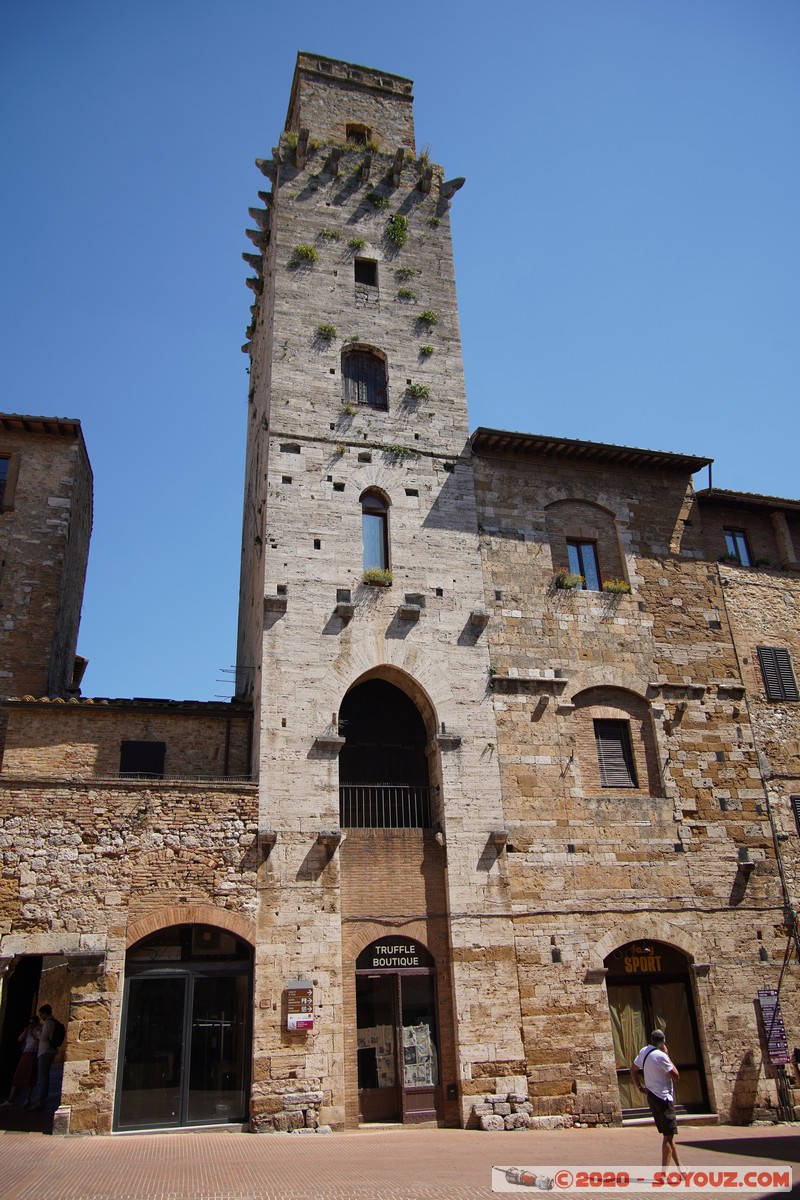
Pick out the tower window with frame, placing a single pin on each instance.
(583, 561)
(737, 547)
(777, 673)
(614, 754)
(375, 531)
(364, 379)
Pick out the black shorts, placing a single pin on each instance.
(663, 1114)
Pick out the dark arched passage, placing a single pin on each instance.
(383, 768)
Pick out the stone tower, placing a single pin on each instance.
(361, 637)
(46, 522)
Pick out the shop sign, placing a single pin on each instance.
(640, 960)
(393, 954)
(299, 1006)
(774, 1027)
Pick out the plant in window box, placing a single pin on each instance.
(619, 587)
(567, 581)
(378, 577)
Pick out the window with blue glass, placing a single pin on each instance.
(375, 530)
(583, 561)
(736, 546)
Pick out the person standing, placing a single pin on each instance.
(26, 1070)
(47, 1052)
(654, 1063)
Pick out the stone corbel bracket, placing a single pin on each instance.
(537, 686)
(276, 603)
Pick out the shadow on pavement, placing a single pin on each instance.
(784, 1149)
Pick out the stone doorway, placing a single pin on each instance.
(650, 987)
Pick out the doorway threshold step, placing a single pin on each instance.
(682, 1118)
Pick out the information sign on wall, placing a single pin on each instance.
(299, 1006)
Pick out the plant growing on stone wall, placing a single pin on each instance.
(304, 254)
(349, 410)
(332, 235)
(402, 452)
(617, 586)
(426, 351)
(567, 581)
(406, 294)
(418, 391)
(357, 243)
(376, 199)
(372, 145)
(434, 221)
(428, 317)
(341, 449)
(326, 331)
(378, 577)
(403, 274)
(291, 139)
(397, 229)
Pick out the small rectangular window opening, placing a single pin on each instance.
(366, 271)
(357, 135)
(583, 561)
(736, 546)
(142, 760)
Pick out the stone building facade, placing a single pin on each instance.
(508, 776)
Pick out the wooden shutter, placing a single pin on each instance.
(795, 803)
(364, 379)
(614, 753)
(776, 670)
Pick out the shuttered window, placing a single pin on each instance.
(795, 803)
(364, 376)
(614, 754)
(776, 670)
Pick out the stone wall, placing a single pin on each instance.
(45, 524)
(592, 867)
(82, 864)
(80, 739)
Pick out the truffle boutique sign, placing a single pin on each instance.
(393, 954)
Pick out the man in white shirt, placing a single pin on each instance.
(654, 1063)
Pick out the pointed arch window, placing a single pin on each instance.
(375, 530)
(364, 377)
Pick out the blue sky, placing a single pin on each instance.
(627, 253)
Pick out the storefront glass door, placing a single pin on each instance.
(185, 1036)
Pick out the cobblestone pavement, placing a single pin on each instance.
(397, 1164)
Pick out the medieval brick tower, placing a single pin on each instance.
(362, 634)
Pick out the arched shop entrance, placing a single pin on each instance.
(186, 1030)
(649, 987)
(397, 1027)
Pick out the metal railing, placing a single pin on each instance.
(384, 806)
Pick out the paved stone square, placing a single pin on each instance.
(376, 1165)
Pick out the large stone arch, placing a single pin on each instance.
(190, 914)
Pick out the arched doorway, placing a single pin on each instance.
(649, 987)
(397, 1032)
(383, 768)
(186, 1030)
